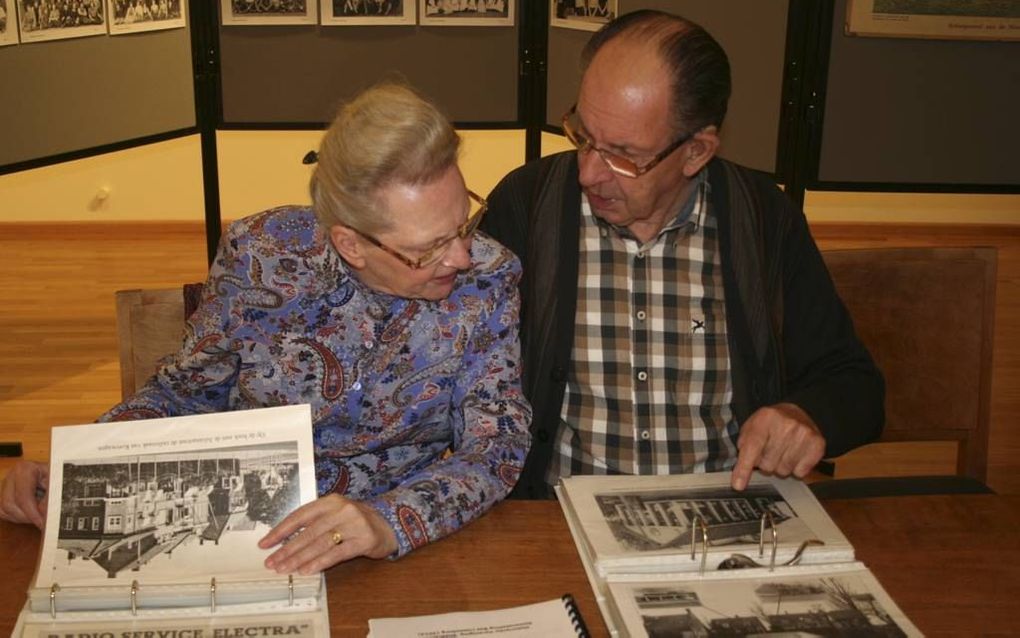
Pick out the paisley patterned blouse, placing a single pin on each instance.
(393, 383)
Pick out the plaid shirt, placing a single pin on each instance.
(649, 388)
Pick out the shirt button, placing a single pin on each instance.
(603, 232)
(642, 376)
(641, 315)
(645, 435)
(356, 386)
(641, 254)
(369, 344)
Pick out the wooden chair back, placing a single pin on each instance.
(927, 317)
(150, 327)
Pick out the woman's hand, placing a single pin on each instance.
(23, 494)
(314, 529)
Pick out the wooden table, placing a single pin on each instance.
(952, 563)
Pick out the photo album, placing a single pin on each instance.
(688, 555)
(154, 526)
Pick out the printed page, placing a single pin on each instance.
(307, 625)
(844, 601)
(540, 620)
(645, 523)
(174, 500)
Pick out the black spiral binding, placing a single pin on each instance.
(575, 616)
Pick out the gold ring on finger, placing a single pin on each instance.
(336, 537)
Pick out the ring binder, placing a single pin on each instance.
(576, 619)
(57, 599)
(700, 523)
(95, 561)
(767, 516)
(629, 532)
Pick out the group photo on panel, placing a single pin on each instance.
(59, 14)
(129, 11)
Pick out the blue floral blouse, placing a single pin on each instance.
(416, 405)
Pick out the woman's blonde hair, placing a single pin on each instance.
(388, 134)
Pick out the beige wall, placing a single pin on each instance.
(259, 169)
(154, 182)
(163, 181)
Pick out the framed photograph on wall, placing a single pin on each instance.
(262, 12)
(40, 20)
(945, 19)
(132, 16)
(371, 12)
(8, 23)
(476, 13)
(587, 15)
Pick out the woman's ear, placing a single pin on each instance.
(347, 243)
(701, 149)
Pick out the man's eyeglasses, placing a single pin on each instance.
(616, 163)
(432, 256)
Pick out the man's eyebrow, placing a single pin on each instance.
(622, 149)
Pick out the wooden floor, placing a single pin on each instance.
(58, 334)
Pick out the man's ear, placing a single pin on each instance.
(345, 240)
(701, 149)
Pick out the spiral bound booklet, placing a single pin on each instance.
(153, 526)
(558, 617)
(688, 555)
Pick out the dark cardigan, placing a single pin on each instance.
(790, 336)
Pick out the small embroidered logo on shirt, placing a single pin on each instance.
(697, 326)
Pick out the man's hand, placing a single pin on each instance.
(779, 440)
(311, 530)
(23, 494)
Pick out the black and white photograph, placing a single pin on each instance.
(586, 15)
(171, 498)
(128, 515)
(368, 12)
(477, 13)
(850, 603)
(8, 23)
(262, 12)
(133, 16)
(40, 20)
(658, 520)
(646, 523)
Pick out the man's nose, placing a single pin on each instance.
(592, 169)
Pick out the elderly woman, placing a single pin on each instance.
(380, 307)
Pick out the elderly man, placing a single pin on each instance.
(381, 308)
(677, 316)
